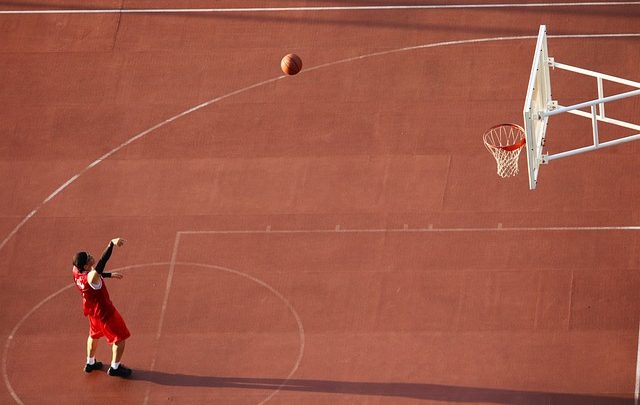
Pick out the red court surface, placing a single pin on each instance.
(335, 237)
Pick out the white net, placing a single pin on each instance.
(505, 142)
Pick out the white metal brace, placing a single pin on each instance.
(597, 114)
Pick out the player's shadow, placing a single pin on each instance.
(434, 392)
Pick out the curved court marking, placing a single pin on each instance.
(242, 90)
(289, 306)
(322, 8)
(22, 320)
(207, 266)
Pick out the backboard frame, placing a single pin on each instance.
(537, 101)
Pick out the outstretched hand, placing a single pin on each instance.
(115, 274)
(118, 241)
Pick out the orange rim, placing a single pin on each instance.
(515, 146)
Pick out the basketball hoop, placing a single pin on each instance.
(505, 142)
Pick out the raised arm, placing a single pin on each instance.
(95, 273)
(104, 259)
(107, 254)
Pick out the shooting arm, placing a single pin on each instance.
(105, 257)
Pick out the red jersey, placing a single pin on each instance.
(95, 303)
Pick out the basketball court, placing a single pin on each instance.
(335, 236)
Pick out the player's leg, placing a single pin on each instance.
(117, 350)
(117, 333)
(116, 368)
(95, 333)
(92, 345)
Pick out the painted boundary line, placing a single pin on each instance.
(163, 311)
(637, 392)
(328, 8)
(430, 229)
(405, 229)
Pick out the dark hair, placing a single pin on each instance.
(80, 259)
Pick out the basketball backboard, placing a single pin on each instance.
(537, 100)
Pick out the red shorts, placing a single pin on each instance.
(114, 329)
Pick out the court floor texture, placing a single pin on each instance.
(335, 237)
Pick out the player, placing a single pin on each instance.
(104, 318)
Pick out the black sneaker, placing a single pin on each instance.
(90, 367)
(121, 371)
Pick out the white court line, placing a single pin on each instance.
(320, 8)
(471, 41)
(431, 229)
(637, 392)
(163, 310)
(7, 344)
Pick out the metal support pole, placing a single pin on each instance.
(563, 66)
(594, 124)
(600, 95)
(607, 120)
(590, 103)
(635, 137)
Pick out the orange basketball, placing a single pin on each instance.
(291, 64)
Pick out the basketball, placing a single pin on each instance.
(291, 64)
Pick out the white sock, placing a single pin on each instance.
(91, 361)
(115, 365)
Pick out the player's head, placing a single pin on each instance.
(83, 261)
